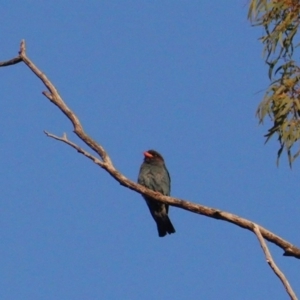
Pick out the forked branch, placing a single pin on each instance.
(105, 163)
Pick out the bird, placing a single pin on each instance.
(155, 176)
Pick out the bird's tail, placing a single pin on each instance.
(164, 226)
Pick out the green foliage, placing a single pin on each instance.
(280, 20)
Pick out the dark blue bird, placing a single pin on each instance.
(155, 176)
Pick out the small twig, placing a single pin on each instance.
(272, 264)
(15, 60)
(64, 139)
(10, 62)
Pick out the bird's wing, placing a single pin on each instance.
(161, 181)
(155, 178)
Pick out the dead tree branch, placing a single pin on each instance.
(11, 62)
(272, 264)
(105, 163)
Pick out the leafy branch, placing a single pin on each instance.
(280, 20)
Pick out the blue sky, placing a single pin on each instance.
(181, 77)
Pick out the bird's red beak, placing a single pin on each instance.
(147, 154)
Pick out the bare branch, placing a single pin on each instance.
(10, 62)
(15, 60)
(64, 139)
(289, 249)
(57, 100)
(272, 264)
(106, 163)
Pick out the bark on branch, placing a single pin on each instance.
(105, 163)
(272, 264)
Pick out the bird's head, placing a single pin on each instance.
(153, 157)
